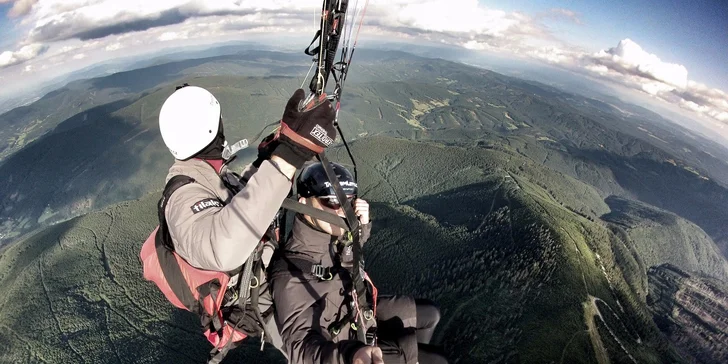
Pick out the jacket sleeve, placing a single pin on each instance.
(221, 238)
(299, 315)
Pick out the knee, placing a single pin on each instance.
(428, 314)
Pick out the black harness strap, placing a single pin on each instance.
(162, 242)
(216, 355)
(313, 52)
(336, 220)
(357, 271)
(301, 265)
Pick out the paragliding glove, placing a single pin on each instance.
(266, 148)
(305, 130)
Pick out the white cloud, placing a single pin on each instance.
(455, 21)
(66, 49)
(630, 57)
(631, 66)
(555, 55)
(55, 20)
(461, 22)
(563, 14)
(438, 16)
(166, 36)
(598, 69)
(75, 29)
(20, 7)
(9, 58)
(114, 46)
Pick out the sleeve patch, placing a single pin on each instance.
(205, 204)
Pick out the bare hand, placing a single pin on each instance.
(361, 209)
(368, 355)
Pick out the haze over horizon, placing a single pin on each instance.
(672, 55)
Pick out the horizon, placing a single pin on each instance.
(643, 59)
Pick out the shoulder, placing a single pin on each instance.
(190, 200)
(189, 194)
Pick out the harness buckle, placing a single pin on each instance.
(371, 336)
(321, 272)
(368, 314)
(230, 297)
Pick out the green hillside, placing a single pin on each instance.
(112, 152)
(74, 293)
(515, 272)
(513, 268)
(535, 217)
(661, 237)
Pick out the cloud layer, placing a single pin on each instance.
(20, 7)
(9, 58)
(62, 31)
(628, 57)
(631, 66)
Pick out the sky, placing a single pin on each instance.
(674, 52)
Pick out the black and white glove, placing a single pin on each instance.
(305, 132)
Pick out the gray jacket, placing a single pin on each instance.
(306, 306)
(213, 229)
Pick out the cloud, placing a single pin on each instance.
(629, 57)
(9, 58)
(57, 20)
(555, 55)
(20, 7)
(703, 99)
(459, 21)
(87, 28)
(456, 21)
(166, 36)
(114, 46)
(563, 14)
(629, 65)
(81, 26)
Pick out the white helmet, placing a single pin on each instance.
(189, 121)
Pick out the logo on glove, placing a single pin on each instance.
(321, 135)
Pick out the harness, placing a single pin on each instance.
(356, 315)
(226, 316)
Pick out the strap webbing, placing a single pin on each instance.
(244, 289)
(352, 221)
(163, 244)
(357, 270)
(294, 205)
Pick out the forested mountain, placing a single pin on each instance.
(535, 217)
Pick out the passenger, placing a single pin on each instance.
(311, 283)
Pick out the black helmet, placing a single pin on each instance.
(312, 182)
